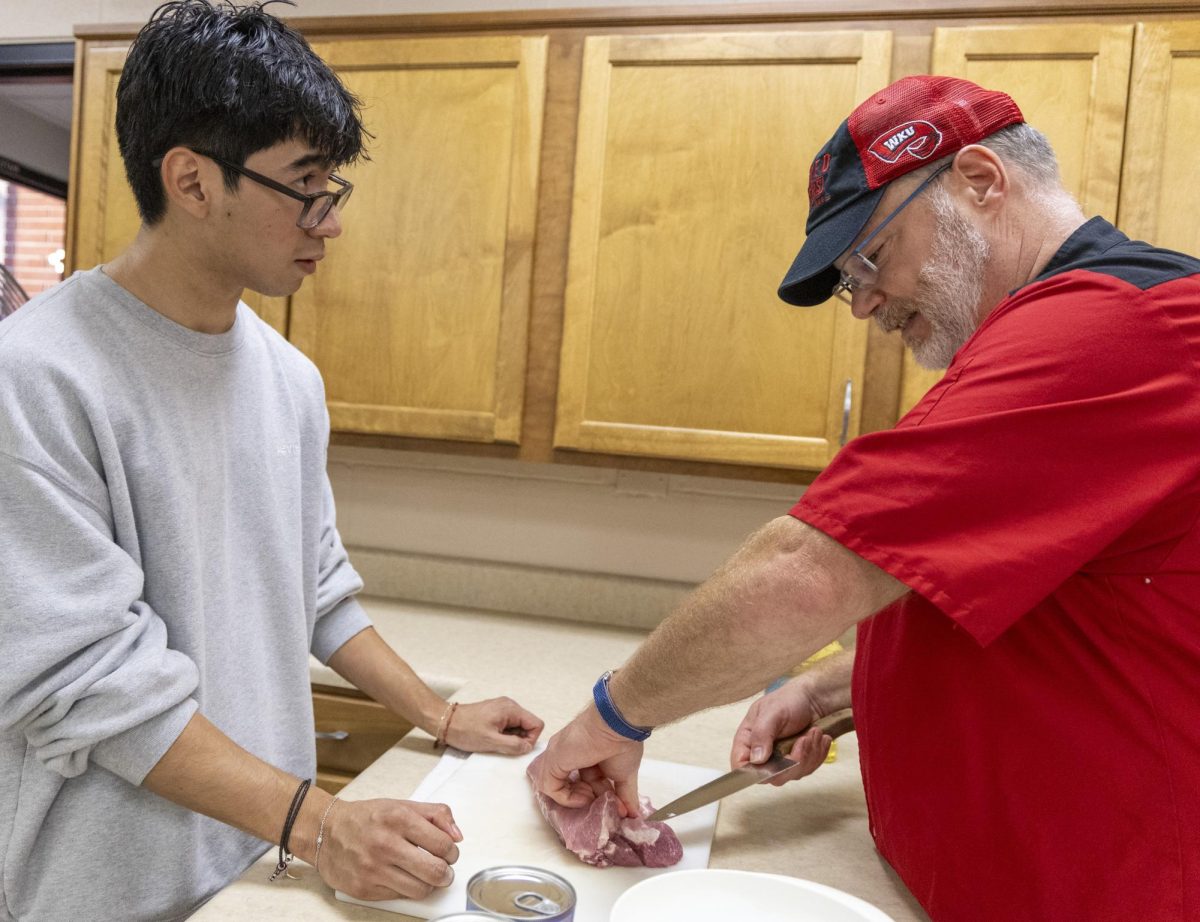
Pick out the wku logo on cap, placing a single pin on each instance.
(919, 138)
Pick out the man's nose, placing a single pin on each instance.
(865, 301)
(330, 226)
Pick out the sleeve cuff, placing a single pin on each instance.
(336, 626)
(132, 754)
(900, 569)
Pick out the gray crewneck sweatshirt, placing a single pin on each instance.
(169, 545)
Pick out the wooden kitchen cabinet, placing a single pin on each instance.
(566, 244)
(687, 211)
(418, 317)
(369, 731)
(1160, 197)
(104, 218)
(1071, 84)
(102, 215)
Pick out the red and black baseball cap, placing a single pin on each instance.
(913, 122)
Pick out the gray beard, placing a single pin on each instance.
(949, 287)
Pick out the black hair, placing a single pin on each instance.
(228, 80)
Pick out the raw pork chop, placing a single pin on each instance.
(600, 836)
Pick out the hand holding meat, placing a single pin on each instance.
(785, 711)
(582, 759)
(386, 849)
(598, 835)
(495, 725)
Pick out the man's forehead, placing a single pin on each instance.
(893, 196)
(882, 210)
(311, 158)
(293, 155)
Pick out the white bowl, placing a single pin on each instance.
(716, 895)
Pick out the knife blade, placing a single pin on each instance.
(834, 724)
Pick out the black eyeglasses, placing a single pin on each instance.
(316, 204)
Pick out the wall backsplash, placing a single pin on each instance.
(575, 542)
(593, 520)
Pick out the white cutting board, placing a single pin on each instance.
(494, 807)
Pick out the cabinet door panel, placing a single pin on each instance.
(417, 318)
(104, 218)
(1160, 197)
(1071, 84)
(689, 204)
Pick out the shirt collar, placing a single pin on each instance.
(1089, 240)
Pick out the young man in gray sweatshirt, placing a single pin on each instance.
(171, 557)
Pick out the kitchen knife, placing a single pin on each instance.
(834, 724)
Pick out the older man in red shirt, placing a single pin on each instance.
(1020, 553)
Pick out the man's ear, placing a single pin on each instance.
(189, 181)
(980, 175)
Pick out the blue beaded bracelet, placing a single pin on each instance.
(612, 717)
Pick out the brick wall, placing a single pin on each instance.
(34, 234)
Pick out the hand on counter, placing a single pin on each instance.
(781, 713)
(495, 725)
(387, 849)
(584, 757)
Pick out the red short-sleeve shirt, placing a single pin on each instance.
(1029, 717)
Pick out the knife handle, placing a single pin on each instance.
(834, 724)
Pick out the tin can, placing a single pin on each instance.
(469, 917)
(518, 892)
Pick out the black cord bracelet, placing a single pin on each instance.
(285, 857)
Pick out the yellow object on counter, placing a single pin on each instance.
(825, 651)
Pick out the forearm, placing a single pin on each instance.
(207, 772)
(367, 662)
(786, 593)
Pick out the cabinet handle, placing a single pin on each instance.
(847, 403)
(332, 735)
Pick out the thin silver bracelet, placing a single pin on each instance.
(321, 835)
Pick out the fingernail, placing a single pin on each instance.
(457, 831)
(756, 754)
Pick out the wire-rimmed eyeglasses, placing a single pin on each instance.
(317, 205)
(859, 273)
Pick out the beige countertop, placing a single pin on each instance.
(814, 829)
